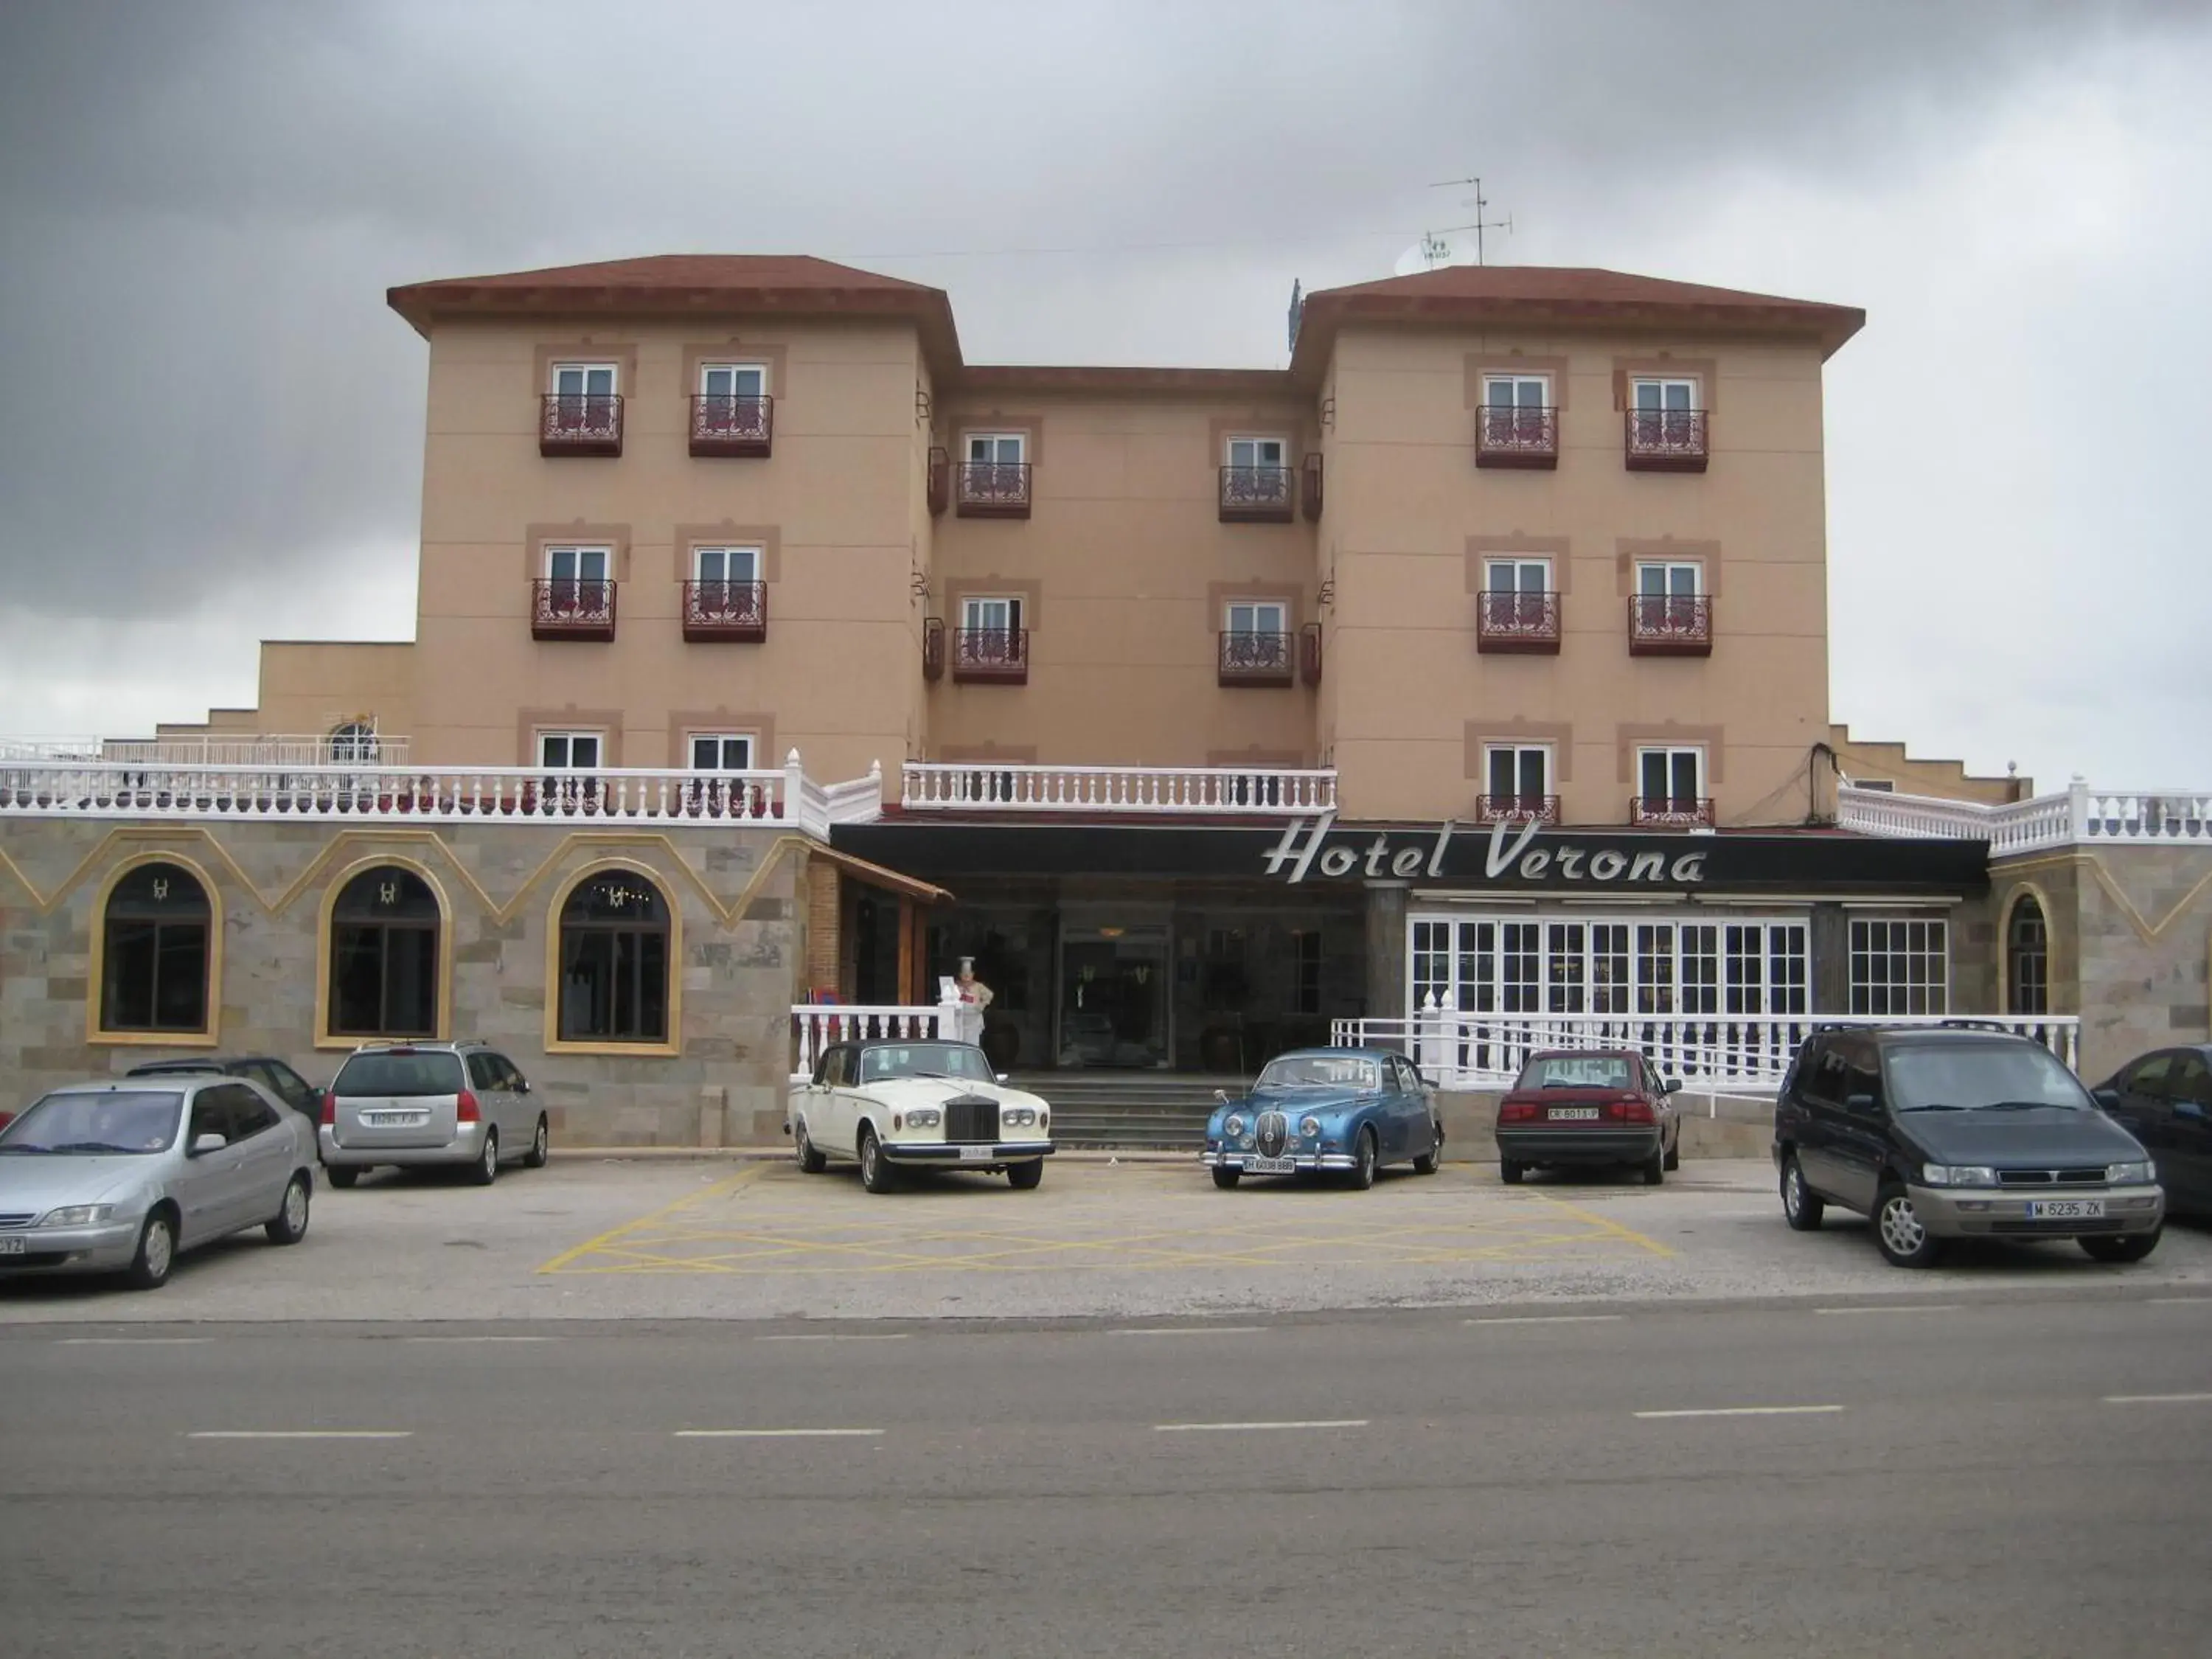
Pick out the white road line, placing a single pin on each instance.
(301, 1434)
(1749, 1411)
(2157, 1399)
(777, 1434)
(1550, 1319)
(1186, 1330)
(2178, 1301)
(1906, 1308)
(132, 1341)
(838, 1336)
(479, 1339)
(1241, 1428)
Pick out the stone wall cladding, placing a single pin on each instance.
(726, 1086)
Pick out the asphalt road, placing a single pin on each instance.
(2030, 1476)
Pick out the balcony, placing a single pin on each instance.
(993, 489)
(991, 656)
(1257, 494)
(732, 426)
(1666, 440)
(1258, 660)
(725, 610)
(1671, 813)
(571, 608)
(1527, 622)
(1311, 492)
(580, 423)
(1670, 625)
(1516, 808)
(1130, 791)
(1526, 438)
(939, 484)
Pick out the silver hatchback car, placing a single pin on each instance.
(411, 1104)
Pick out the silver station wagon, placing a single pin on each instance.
(412, 1104)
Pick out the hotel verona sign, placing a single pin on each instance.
(1507, 853)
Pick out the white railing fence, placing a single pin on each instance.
(2081, 815)
(1713, 1054)
(294, 749)
(991, 786)
(816, 1026)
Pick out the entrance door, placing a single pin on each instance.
(1114, 998)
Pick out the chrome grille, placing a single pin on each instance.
(18, 1217)
(2086, 1177)
(971, 1118)
(1274, 1132)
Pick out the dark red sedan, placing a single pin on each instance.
(1588, 1106)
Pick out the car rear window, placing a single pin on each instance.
(1578, 1071)
(418, 1074)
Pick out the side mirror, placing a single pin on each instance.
(209, 1142)
(522, 1085)
(1672, 1086)
(1861, 1104)
(2107, 1098)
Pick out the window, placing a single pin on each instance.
(2027, 959)
(991, 616)
(1245, 452)
(713, 568)
(1670, 780)
(576, 568)
(1900, 967)
(1305, 967)
(996, 448)
(721, 752)
(1518, 772)
(287, 1085)
(583, 381)
(1877, 786)
(561, 751)
(1258, 617)
(155, 939)
(353, 741)
(2150, 1078)
(721, 382)
(1515, 391)
(384, 956)
(1517, 576)
(1656, 580)
(1664, 397)
(250, 1115)
(614, 961)
(583, 397)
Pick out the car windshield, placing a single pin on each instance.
(1578, 1071)
(1981, 1076)
(1322, 1072)
(963, 1061)
(400, 1072)
(111, 1121)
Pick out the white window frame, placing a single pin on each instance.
(1690, 388)
(1521, 752)
(1517, 382)
(1695, 752)
(729, 553)
(1256, 459)
(1658, 963)
(1668, 569)
(733, 368)
(1259, 608)
(1885, 943)
(1020, 441)
(587, 367)
(1520, 564)
(971, 607)
(576, 552)
(569, 738)
(723, 741)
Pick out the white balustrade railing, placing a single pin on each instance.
(308, 749)
(816, 1026)
(2080, 816)
(991, 786)
(1713, 1054)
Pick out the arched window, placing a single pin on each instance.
(2027, 958)
(614, 961)
(384, 956)
(153, 952)
(354, 742)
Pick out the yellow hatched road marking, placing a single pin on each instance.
(606, 1240)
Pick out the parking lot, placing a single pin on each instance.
(593, 1238)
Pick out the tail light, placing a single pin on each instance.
(466, 1110)
(1517, 1111)
(329, 1115)
(1631, 1108)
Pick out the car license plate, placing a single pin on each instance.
(1572, 1114)
(12, 1247)
(1271, 1166)
(2065, 1209)
(395, 1120)
(975, 1154)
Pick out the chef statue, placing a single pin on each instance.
(974, 997)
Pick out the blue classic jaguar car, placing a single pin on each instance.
(1348, 1110)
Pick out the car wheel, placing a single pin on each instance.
(1429, 1161)
(1674, 1151)
(290, 1225)
(1511, 1170)
(811, 1160)
(342, 1176)
(1227, 1179)
(157, 1253)
(2133, 1246)
(1904, 1242)
(1800, 1206)
(875, 1169)
(1025, 1176)
(1363, 1161)
(541, 1146)
(485, 1170)
(1655, 1167)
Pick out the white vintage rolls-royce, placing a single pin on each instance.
(922, 1103)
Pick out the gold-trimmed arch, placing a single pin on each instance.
(2024, 888)
(96, 987)
(324, 1037)
(662, 885)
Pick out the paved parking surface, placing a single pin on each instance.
(594, 1239)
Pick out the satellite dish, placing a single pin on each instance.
(1435, 249)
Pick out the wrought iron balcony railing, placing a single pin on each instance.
(732, 426)
(571, 608)
(1516, 437)
(1517, 622)
(1671, 811)
(993, 489)
(1257, 494)
(1667, 441)
(580, 423)
(1249, 658)
(1670, 625)
(725, 610)
(1516, 808)
(994, 654)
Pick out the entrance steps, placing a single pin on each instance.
(1107, 1108)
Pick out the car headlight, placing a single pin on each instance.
(2141, 1173)
(77, 1215)
(924, 1117)
(1233, 1128)
(1023, 1116)
(1960, 1175)
(1310, 1127)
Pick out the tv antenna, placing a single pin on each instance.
(1479, 204)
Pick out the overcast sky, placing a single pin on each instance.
(215, 433)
